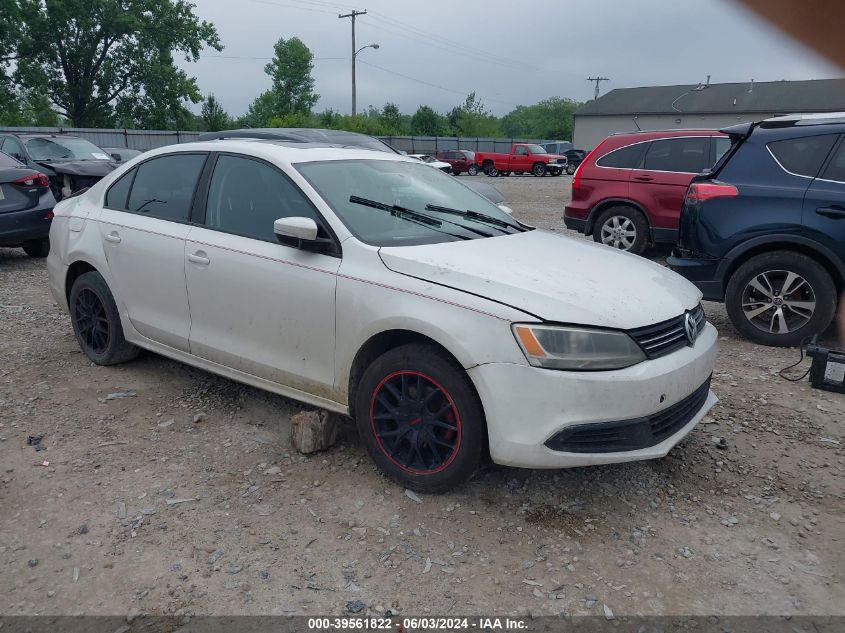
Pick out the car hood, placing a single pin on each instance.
(97, 168)
(553, 277)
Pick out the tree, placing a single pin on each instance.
(471, 118)
(260, 111)
(426, 122)
(98, 55)
(214, 117)
(549, 119)
(290, 69)
(391, 119)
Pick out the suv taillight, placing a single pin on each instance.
(698, 192)
(38, 180)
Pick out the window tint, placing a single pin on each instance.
(164, 187)
(802, 156)
(119, 191)
(689, 155)
(623, 158)
(246, 197)
(836, 169)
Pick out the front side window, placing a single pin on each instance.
(64, 148)
(164, 187)
(522, 151)
(623, 158)
(246, 197)
(682, 155)
(399, 187)
(802, 156)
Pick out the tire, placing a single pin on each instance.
(492, 171)
(37, 248)
(570, 169)
(505, 173)
(472, 170)
(539, 169)
(759, 309)
(459, 431)
(96, 322)
(622, 227)
(456, 173)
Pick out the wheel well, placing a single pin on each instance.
(803, 249)
(74, 271)
(378, 345)
(487, 161)
(603, 206)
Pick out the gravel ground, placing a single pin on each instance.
(185, 496)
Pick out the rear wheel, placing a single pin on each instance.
(37, 248)
(472, 170)
(622, 227)
(780, 298)
(420, 418)
(492, 171)
(96, 321)
(539, 169)
(570, 169)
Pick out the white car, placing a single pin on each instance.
(371, 285)
(431, 161)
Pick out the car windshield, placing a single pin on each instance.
(536, 149)
(401, 187)
(53, 148)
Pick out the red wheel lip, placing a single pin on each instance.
(381, 446)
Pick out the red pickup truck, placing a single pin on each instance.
(524, 158)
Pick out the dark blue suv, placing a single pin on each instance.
(764, 231)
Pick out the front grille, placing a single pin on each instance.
(561, 161)
(630, 435)
(668, 336)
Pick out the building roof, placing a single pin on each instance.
(816, 95)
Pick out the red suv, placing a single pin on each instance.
(627, 193)
(461, 160)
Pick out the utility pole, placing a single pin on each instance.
(598, 80)
(353, 15)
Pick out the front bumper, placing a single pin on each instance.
(527, 406)
(701, 271)
(18, 227)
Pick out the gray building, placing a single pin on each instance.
(701, 106)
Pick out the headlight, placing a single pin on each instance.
(559, 347)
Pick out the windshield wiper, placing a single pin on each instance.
(410, 215)
(475, 215)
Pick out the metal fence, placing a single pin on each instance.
(150, 139)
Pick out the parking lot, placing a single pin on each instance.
(165, 489)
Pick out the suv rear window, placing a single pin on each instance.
(623, 158)
(802, 156)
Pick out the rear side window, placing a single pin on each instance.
(682, 155)
(119, 191)
(623, 158)
(802, 156)
(164, 187)
(836, 169)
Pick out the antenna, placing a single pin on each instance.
(598, 80)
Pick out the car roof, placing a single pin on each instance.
(40, 135)
(646, 134)
(302, 135)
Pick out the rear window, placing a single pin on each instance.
(7, 161)
(802, 156)
(164, 187)
(623, 158)
(119, 191)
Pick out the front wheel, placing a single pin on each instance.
(622, 227)
(539, 169)
(420, 418)
(96, 321)
(472, 170)
(780, 298)
(37, 248)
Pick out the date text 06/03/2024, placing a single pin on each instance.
(413, 625)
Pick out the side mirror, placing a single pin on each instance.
(117, 157)
(301, 233)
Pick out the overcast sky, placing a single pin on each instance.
(437, 51)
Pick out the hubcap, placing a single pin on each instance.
(619, 232)
(92, 322)
(415, 422)
(778, 301)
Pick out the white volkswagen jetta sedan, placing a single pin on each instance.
(372, 285)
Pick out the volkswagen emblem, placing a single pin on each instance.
(690, 329)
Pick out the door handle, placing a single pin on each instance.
(644, 178)
(199, 258)
(836, 213)
(113, 237)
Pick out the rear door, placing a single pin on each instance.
(661, 182)
(824, 203)
(143, 227)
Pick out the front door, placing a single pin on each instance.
(259, 306)
(143, 227)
